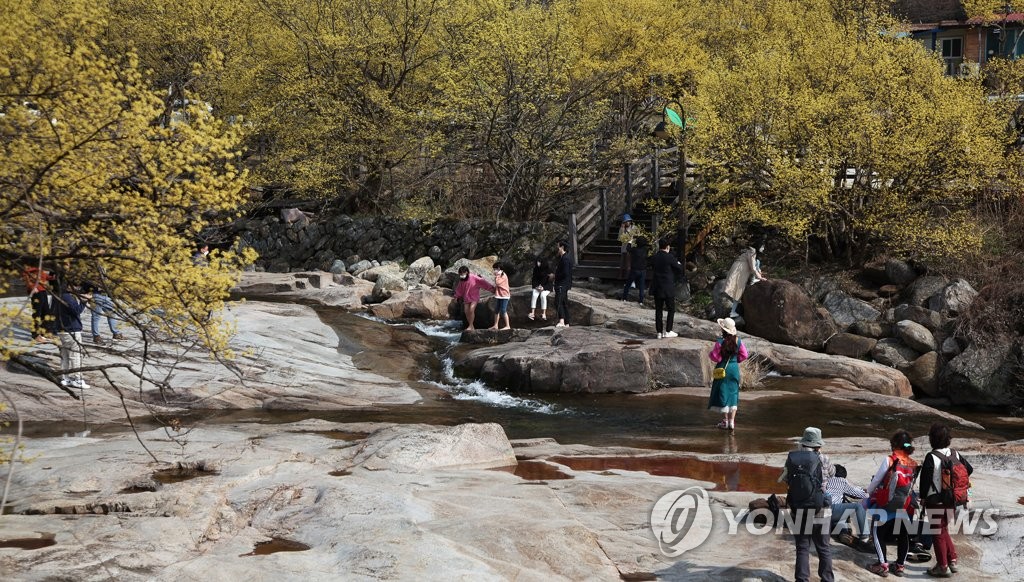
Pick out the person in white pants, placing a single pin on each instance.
(69, 309)
(541, 283)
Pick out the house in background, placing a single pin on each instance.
(965, 44)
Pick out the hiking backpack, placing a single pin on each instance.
(803, 475)
(954, 481)
(894, 492)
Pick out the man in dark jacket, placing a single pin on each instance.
(667, 272)
(563, 282)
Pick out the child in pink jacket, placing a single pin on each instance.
(503, 294)
(468, 292)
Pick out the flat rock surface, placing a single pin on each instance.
(287, 358)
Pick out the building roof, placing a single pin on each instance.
(1011, 18)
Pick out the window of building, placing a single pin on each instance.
(953, 55)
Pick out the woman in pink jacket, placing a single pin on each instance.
(468, 292)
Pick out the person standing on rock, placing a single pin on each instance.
(637, 270)
(727, 354)
(745, 270)
(806, 474)
(467, 291)
(945, 481)
(502, 295)
(667, 272)
(541, 284)
(892, 504)
(68, 308)
(563, 282)
(626, 238)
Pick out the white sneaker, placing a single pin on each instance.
(669, 334)
(65, 382)
(561, 325)
(660, 335)
(80, 384)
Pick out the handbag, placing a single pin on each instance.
(718, 373)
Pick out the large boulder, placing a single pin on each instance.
(850, 345)
(483, 267)
(578, 359)
(893, 353)
(923, 374)
(357, 267)
(795, 361)
(414, 448)
(782, 312)
(418, 270)
(431, 277)
(953, 299)
(373, 273)
(982, 374)
(846, 310)
(388, 283)
(416, 304)
(923, 288)
(916, 336)
(872, 329)
(933, 320)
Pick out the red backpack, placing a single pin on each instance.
(954, 482)
(893, 494)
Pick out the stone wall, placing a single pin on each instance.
(305, 244)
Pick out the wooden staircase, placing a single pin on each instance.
(596, 224)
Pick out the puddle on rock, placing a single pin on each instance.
(45, 541)
(726, 475)
(140, 488)
(183, 472)
(340, 473)
(276, 545)
(535, 471)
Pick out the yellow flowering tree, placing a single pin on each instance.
(95, 188)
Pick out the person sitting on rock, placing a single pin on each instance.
(468, 292)
(847, 498)
(541, 283)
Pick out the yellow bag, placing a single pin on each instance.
(718, 374)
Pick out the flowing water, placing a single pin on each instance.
(421, 353)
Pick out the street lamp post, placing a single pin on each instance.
(669, 115)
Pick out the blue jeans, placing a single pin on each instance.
(839, 509)
(102, 306)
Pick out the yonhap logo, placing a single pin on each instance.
(681, 520)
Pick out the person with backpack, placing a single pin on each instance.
(945, 481)
(806, 473)
(892, 504)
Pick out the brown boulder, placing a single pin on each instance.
(416, 304)
(782, 312)
(851, 345)
(923, 374)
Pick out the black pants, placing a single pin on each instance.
(562, 303)
(803, 541)
(669, 304)
(638, 278)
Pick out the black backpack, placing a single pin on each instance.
(803, 475)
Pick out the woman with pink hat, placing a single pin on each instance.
(727, 354)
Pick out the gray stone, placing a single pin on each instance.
(872, 329)
(916, 336)
(431, 277)
(850, 345)
(386, 285)
(950, 348)
(819, 287)
(434, 252)
(373, 273)
(923, 288)
(923, 374)
(417, 448)
(926, 317)
(483, 267)
(359, 266)
(982, 375)
(953, 299)
(293, 215)
(893, 353)
(899, 272)
(418, 270)
(846, 310)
